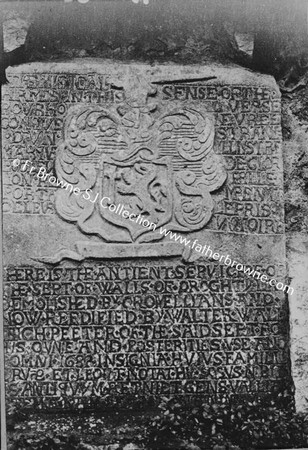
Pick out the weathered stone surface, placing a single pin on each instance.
(131, 447)
(295, 153)
(195, 150)
(15, 27)
(298, 304)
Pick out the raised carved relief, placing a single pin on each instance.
(134, 321)
(161, 166)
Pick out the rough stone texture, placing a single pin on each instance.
(298, 304)
(117, 128)
(162, 31)
(200, 43)
(173, 30)
(15, 27)
(245, 42)
(295, 154)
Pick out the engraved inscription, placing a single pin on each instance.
(98, 309)
(74, 335)
(239, 123)
(248, 135)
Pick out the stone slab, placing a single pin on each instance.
(100, 309)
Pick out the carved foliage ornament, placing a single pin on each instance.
(164, 169)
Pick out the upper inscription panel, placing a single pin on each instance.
(160, 144)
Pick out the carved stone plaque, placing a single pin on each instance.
(103, 305)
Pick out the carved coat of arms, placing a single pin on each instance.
(158, 164)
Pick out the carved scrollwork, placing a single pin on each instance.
(78, 160)
(189, 135)
(164, 168)
(193, 205)
(194, 133)
(214, 173)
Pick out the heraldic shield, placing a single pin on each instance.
(161, 166)
(141, 186)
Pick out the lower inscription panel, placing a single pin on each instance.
(88, 335)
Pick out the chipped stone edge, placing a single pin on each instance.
(225, 74)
